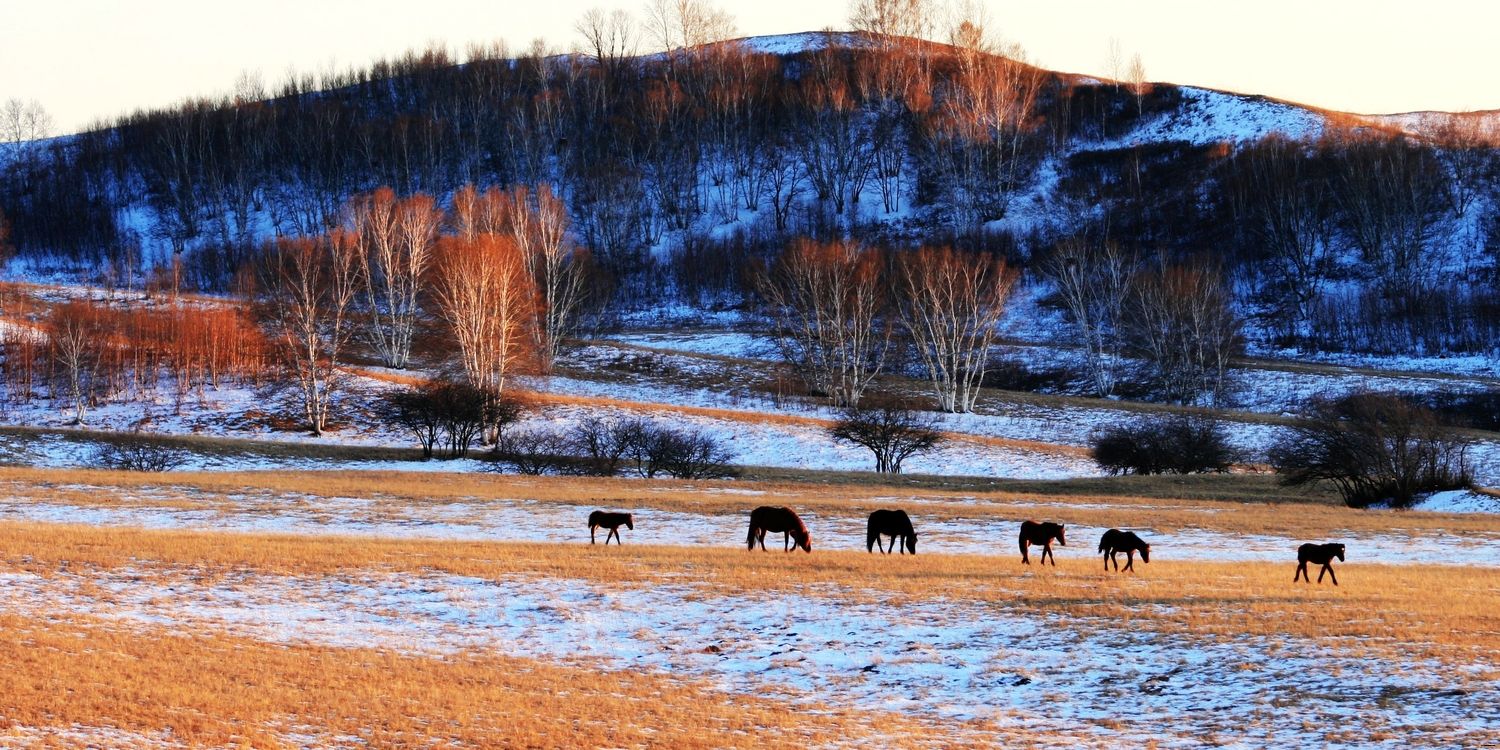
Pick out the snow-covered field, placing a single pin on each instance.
(1079, 680)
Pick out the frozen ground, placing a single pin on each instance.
(521, 520)
(1075, 680)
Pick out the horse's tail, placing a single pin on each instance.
(870, 536)
(750, 537)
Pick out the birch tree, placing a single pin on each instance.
(950, 304)
(488, 301)
(395, 245)
(826, 303)
(306, 288)
(1093, 279)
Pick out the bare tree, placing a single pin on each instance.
(538, 222)
(1471, 152)
(306, 289)
(1373, 448)
(951, 304)
(1136, 76)
(892, 430)
(1094, 279)
(1285, 204)
(892, 18)
(980, 139)
(826, 304)
(482, 290)
(23, 125)
(78, 335)
(680, 28)
(1180, 320)
(1390, 195)
(611, 39)
(395, 246)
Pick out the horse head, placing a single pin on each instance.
(1060, 539)
(911, 542)
(630, 521)
(1339, 550)
(804, 539)
(1145, 553)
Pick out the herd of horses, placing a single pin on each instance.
(897, 525)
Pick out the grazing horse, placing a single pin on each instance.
(1322, 554)
(894, 524)
(1115, 541)
(766, 518)
(1043, 534)
(611, 521)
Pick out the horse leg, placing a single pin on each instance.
(1301, 571)
(760, 536)
(1130, 560)
(591, 535)
(1329, 566)
(1025, 558)
(615, 532)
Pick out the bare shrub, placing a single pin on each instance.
(535, 452)
(649, 449)
(1172, 445)
(1373, 448)
(449, 414)
(138, 455)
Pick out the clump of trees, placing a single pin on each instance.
(1373, 448)
(504, 282)
(1175, 322)
(83, 351)
(836, 308)
(600, 446)
(451, 415)
(1164, 445)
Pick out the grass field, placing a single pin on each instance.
(122, 636)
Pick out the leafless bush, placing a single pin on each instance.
(1374, 448)
(138, 455)
(1172, 445)
(535, 451)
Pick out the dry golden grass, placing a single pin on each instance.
(1165, 512)
(1441, 612)
(67, 674)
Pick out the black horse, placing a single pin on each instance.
(1321, 554)
(784, 520)
(1043, 534)
(1115, 541)
(611, 521)
(894, 524)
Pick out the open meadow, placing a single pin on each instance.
(344, 609)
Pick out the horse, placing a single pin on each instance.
(894, 524)
(1115, 541)
(611, 521)
(766, 518)
(1322, 554)
(1043, 534)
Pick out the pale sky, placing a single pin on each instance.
(86, 59)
